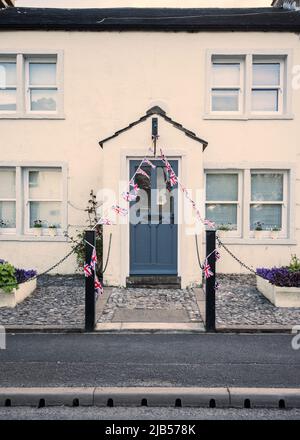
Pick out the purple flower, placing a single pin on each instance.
(23, 275)
(280, 276)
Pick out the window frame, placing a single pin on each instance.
(284, 203)
(238, 232)
(10, 60)
(239, 87)
(10, 230)
(285, 57)
(27, 199)
(28, 87)
(21, 232)
(287, 236)
(23, 110)
(280, 88)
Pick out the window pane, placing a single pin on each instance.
(8, 76)
(7, 214)
(269, 216)
(47, 212)
(222, 215)
(7, 184)
(43, 100)
(266, 74)
(266, 187)
(45, 184)
(265, 100)
(8, 100)
(226, 74)
(225, 100)
(222, 187)
(42, 74)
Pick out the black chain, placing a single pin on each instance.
(250, 269)
(42, 273)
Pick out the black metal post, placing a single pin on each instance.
(210, 284)
(90, 300)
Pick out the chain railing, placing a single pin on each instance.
(250, 269)
(42, 273)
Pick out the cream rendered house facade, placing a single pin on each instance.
(74, 78)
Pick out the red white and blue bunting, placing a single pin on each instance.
(89, 270)
(131, 195)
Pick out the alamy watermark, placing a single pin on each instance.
(2, 77)
(296, 338)
(2, 338)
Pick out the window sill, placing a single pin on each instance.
(32, 116)
(259, 241)
(32, 238)
(248, 118)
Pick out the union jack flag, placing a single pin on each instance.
(105, 221)
(134, 186)
(217, 255)
(147, 161)
(209, 223)
(93, 259)
(207, 270)
(87, 270)
(128, 196)
(173, 178)
(119, 210)
(98, 286)
(140, 171)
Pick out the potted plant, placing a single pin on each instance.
(275, 232)
(52, 230)
(37, 227)
(16, 284)
(281, 285)
(258, 229)
(3, 223)
(222, 229)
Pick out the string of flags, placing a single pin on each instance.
(131, 195)
(89, 269)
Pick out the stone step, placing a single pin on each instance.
(154, 282)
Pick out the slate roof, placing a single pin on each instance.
(156, 111)
(151, 19)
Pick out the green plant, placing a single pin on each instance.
(78, 239)
(37, 224)
(275, 228)
(294, 265)
(52, 226)
(223, 227)
(258, 226)
(7, 277)
(2, 223)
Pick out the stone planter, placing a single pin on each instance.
(37, 232)
(52, 232)
(259, 234)
(274, 234)
(17, 295)
(279, 296)
(222, 233)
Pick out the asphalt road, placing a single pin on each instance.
(92, 413)
(265, 360)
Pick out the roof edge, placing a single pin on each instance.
(156, 110)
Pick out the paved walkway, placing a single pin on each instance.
(138, 305)
(59, 301)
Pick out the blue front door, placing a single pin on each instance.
(153, 221)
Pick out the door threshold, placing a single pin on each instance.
(154, 281)
(152, 327)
